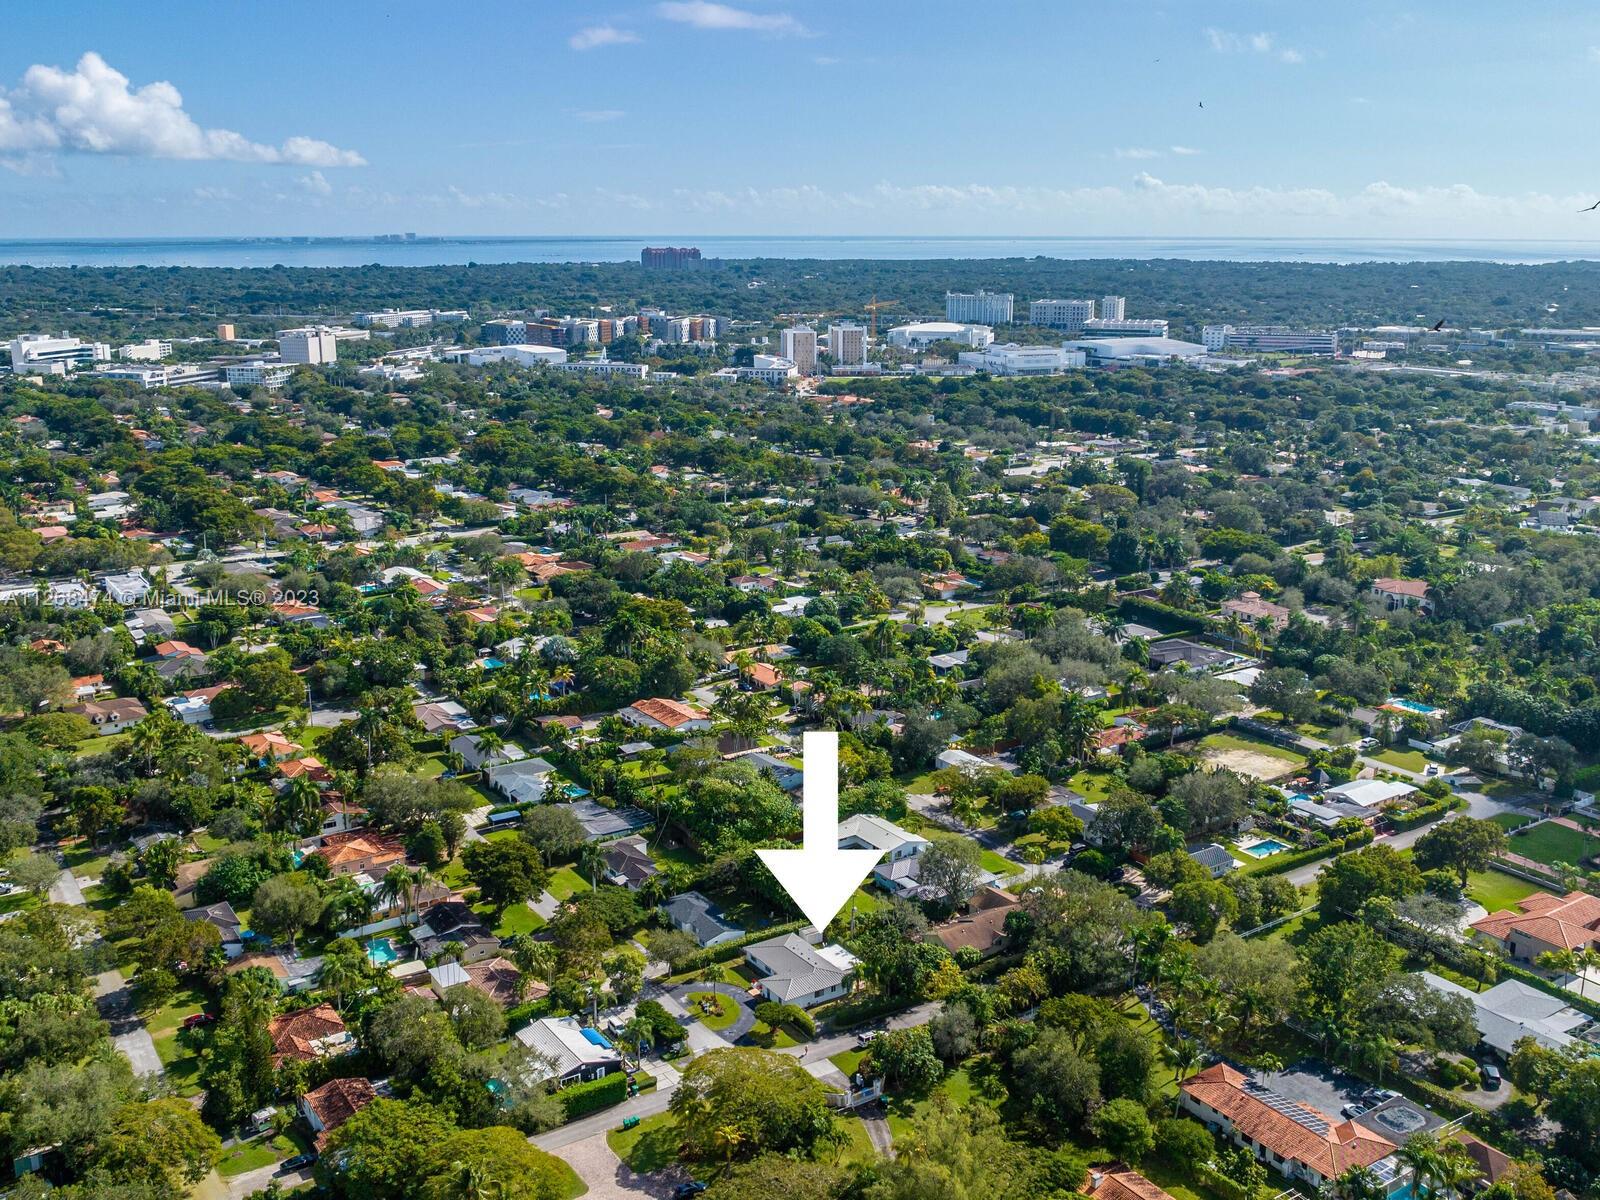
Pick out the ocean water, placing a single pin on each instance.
(434, 251)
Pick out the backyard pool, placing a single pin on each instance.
(1265, 848)
(1414, 706)
(382, 953)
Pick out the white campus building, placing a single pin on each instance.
(1012, 359)
(1271, 338)
(847, 342)
(312, 345)
(979, 307)
(1069, 315)
(43, 354)
(925, 333)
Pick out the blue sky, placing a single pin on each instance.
(1027, 117)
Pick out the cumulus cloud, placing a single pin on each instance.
(93, 109)
(1224, 42)
(315, 183)
(703, 14)
(1137, 152)
(592, 37)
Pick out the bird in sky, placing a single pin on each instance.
(1438, 325)
(1203, 104)
(1591, 207)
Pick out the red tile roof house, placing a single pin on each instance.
(112, 716)
(672, 715)
(355, 853)
(1543, 923)
(1402, 593)
(1250, 608)
(1116, 1182)
(1293, 1139)
(308, 1034)
(331, 1105)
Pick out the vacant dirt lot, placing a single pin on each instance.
(1253, 763)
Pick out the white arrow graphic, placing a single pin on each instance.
(820, 876)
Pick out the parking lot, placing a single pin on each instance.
(1330, 1090)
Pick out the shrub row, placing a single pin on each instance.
(1219, 1185)
(1424, 814)
(1288, 861)
(580, 1099)
(1163, 616)
(732, 950)
(843, 1014)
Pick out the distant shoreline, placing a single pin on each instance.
(446, 250)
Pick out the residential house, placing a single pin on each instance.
(1293, 1139)
(1368, 793)
(674, 716)
(451, 921)
(576, 1054)
(327, 1107)
(364, 853)
(226, 922)
(476, 758)
(126, 589)
(151, 624)
(524, 781)
(700, 919)
(1215, 859)
(796, 971)
(1402, 593)
(983, 928)
(1511, 1011)
(270, 747)
(1544, 923)
(194, 707)
(309, 1034)
(601, 823)
(1116, 1182)
(443, 716)
(112, 716)
(628, 864)
(789, 776)
(1249, 607)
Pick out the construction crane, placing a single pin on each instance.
(873, 309)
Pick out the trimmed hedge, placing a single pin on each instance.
(1280, 863)
(580, 1099)
(1218, 1184)
(1424, 814)
(732, 950)
(1163, 616)
(844, 1014)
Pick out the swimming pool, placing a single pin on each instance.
(1415, 706)
(1265, 848)
(381, 952)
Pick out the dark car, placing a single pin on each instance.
(685, 1190)
(298, 1163)
(196, 1020)
(1490, 1075)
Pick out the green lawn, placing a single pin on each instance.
(651, 1145)
(1496, 890)
(1550, 843)
(725, 1011)
(1410, 760)
(518, 918)
(566, 883)
(865, 900)
(261, 1152)
(1509, 821)
(847, 1060)
(1094, 786)
(99, 744)
(1232, 741)
(903, 1110)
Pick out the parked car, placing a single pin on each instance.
(196, 1020)
(1367, 743)
(1431, 769)
(686, 1190)
(1376, 1096)
(1351, 1111)
(1490, 1075)
(867, 1038)
(298, 1163)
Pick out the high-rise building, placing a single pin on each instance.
(1115, 327)
(799, 346)
(310, 344)
(848, 344)
(670, 258)
(1061, 314)
(503, 331)
(1113, 308)
(225, 332)
(978, 308)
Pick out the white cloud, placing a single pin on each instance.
(1594, 54)
(592, 37)
(1186, 151)
(1137, 152)
(1224, 42)
(315, 184)
(92, 109)
(502, 200)
(598, 116)
(703, 14)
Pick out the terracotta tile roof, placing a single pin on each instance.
(670, 713)
(372, 849)
(336, 1101)
(498, 977)
(1119, 1183)
(1344, 1144)
(1571, 922)
(1416, 588)
(294, 1034)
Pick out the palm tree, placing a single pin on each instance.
(489, 744)
(1079, 725)
(397, 885)
(144, 743)
(1421, 1155)
(1455, 1172)
(300, 807)
(591, 861)
(1185, 1057)
(728, 1139)
(471, 1181)
(1564, 962)
(339, 974)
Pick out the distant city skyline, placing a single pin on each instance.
(1031, 118)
